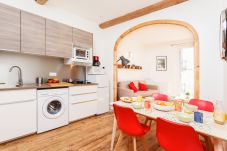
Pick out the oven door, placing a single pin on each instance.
(80, 53)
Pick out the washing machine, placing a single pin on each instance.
(52, 109)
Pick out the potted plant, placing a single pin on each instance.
(187, 95)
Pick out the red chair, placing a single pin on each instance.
(203, 105)
(129, 124)
(177, 137)
(159, 96)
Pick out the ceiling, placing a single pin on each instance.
(100, 10)
(160, 34)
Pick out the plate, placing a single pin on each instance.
(184, 117)
(127, 99)
(188, 108)
(164, 106)
(137, 105)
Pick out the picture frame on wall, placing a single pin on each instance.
(161, 63)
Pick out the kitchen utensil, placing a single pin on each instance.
(39, 80)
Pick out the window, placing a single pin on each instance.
(187, 71)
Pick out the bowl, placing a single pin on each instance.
(164, 106)
(188, 108)
(137, 105)
(126, 99)
(184, 117)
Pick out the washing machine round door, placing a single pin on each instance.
(53, 107)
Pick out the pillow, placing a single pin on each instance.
(142, 87)
(132, 86)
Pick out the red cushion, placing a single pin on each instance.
(142, 87)
(132, 87)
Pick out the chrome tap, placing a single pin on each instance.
(20, 80)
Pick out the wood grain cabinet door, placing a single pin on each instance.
(82, 38)
(9, 28)
(58, 39)
(32, 34)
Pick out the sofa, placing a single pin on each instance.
(124, 90)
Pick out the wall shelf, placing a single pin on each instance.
(129, 68)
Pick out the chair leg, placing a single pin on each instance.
(134, 143)
(144, 143)
(148, 122)
(118, 141)
(208, 143)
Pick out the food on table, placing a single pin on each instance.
(147, 104)
(188, 108)
(128, 99)
(55, 80)
(184, 117)
(219, 117)
(163, 103)
(164, 106)
(139, 98)
(178, 105)
(137, 105)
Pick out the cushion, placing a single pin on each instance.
(132, 86)
(142, 87)
(124, 84)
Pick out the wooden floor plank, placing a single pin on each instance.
(90, 134)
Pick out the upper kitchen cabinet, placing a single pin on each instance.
(58, 39)
(82, 38)
(32, 34)
(9, 28)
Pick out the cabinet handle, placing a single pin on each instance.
(83, 102)
(17, 102)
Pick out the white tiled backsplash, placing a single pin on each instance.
(35, 66)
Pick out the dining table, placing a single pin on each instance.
(216, 132)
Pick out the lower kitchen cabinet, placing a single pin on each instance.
(83, 102)
(17, 114)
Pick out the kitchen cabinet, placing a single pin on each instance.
(58, 39)
(17, 113)
(82, 38)
(9, 28)
(32, 34)
(82, 102)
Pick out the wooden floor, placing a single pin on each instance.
(91, 134)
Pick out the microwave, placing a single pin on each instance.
(82, 55)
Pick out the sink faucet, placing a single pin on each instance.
(20, 80)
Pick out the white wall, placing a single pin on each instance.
(35, 66)
(169, 80)
(203, 15)
(143, 45)
(137, 57)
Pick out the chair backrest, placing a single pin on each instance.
(127, 121)
(177, 137)
(159, 96)
(203, 105)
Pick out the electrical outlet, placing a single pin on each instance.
(52, 74)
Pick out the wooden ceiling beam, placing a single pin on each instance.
(141, 12)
